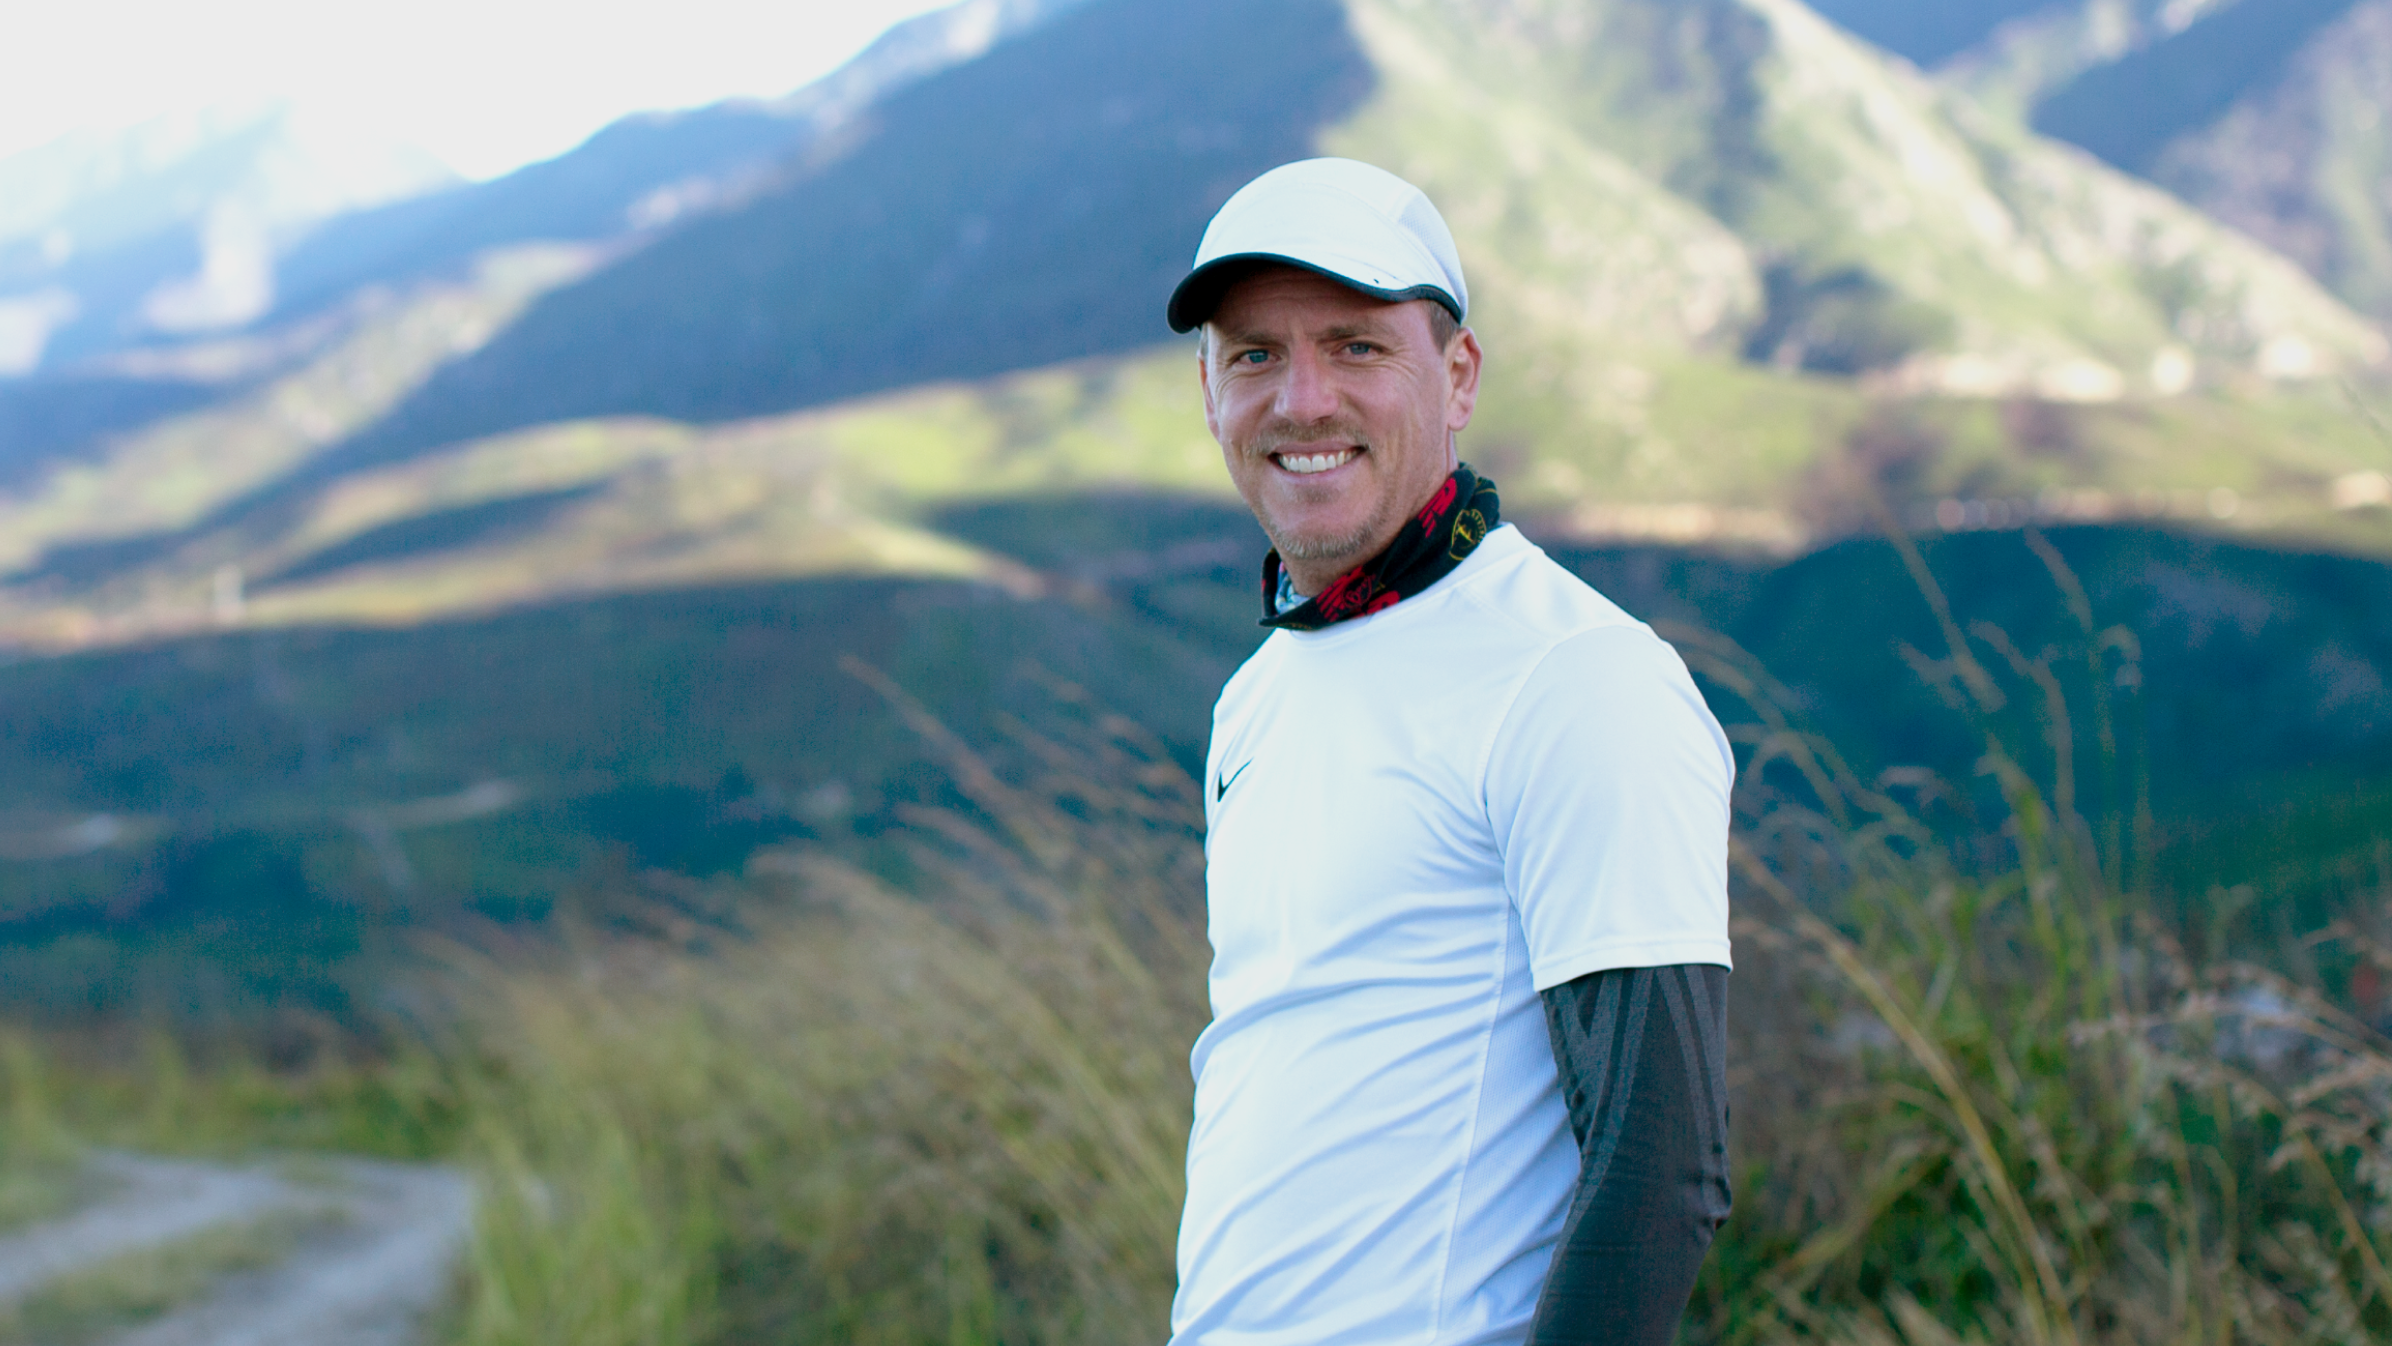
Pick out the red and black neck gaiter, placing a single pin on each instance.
(1429, 545)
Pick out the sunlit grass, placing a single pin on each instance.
(864, 1117)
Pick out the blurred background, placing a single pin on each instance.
(554, 559)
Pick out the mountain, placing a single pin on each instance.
(1928, 32)
(1727, 258)
(2271, 115)
(523, 536)
(2128, 110)
(1894, 227)
(2117, 76)
(171, 227)
(357, 297)
(1016, 211)
(2305, 163)
(216, 220)
(1883, 225)
(642, 173)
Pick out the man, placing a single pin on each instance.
(1466, 848)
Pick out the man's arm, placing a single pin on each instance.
(1641, 1057)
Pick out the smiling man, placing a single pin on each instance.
(1466, 847)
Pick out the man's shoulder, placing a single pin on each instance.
(1570, 649)
(1541, 599)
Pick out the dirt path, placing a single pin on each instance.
(382, 1246)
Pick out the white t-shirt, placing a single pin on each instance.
(1416, 821)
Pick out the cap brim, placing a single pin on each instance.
(1192, 304)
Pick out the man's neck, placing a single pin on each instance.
(1447, 527)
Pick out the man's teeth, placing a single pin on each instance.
(1307, 463)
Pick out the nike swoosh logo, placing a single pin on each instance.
(1221, 784)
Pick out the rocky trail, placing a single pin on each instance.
(339, 1252)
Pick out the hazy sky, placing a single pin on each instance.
(485, 84)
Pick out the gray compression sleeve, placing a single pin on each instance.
(1640, 1052)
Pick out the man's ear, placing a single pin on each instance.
(1204, 380)
(1463, 359)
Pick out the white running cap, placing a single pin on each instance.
(1359, 225)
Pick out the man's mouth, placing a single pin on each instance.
(1307, 464)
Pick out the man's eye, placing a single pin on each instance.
(1254, 357)
(1359, 348)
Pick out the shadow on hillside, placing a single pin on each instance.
(2182, 82)
(48, 419)
(275, 510)
(479, 524)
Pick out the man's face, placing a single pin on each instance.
(1335, 413)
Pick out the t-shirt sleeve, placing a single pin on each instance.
(1607, 788)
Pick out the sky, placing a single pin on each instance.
(485, 85)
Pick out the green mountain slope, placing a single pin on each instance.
(112, 517)
(2305, 164)
(2002, 262)
(1894, 226)
(2268, 114)
(117, 250)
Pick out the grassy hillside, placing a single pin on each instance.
(1666, 447)
(1978, 1097)
(218, 824)
(88, 518)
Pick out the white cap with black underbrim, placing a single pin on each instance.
(1355, 224)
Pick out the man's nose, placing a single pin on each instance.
(1308, 392)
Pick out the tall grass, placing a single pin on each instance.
(1982, 1094)
(2012, 1109)
(860, 1116)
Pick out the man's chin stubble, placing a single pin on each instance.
(1353, 548)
